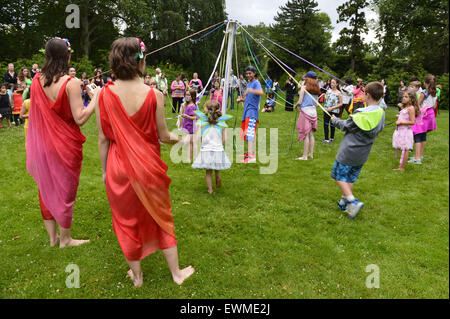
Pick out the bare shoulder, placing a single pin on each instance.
(73, 82)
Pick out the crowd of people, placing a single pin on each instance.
(130, 115)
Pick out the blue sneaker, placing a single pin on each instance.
(354, 208)
(342, 204)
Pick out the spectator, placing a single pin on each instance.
(242, 86)
(147, 79)
(158, 77)
(347, 96)
(163, 86)
(34, 70)
(98, 79)
(72, 72)
(401, 91)
(290, 88)
(234, 85)
(10, 75)
(358, 95)
(196, 83)
(178, 88)
(24, 77)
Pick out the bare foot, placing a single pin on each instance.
(183, 274)
(398, 169)
(136, 281)
(73, 242)
(311, 156)
(218, 183)
(210, 191)
(53, 243)
(303, 158)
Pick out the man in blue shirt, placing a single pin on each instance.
(251, 99)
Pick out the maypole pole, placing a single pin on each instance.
(231, 31)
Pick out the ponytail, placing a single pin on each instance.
(429, 79)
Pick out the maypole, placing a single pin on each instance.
(231, 31)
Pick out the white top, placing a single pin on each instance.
(212, 141)
(347, 94)
(310, 110)
(428, 101)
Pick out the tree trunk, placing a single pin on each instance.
(445, 58)
(352, 63)
(84, 21)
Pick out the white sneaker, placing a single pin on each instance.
(353, 208)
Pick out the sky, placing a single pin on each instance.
(252, 12)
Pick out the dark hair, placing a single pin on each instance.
(337, 83)
(122, 58)
(403, 81)
(212, 111)
(4, 85)
(251, 68)
(193, 94)
(429, 79)
(414, 78)
(57, 61)
(271, 94)
(312, 86)
(376, 90)
(348, 81)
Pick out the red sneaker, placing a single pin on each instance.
(250, 159)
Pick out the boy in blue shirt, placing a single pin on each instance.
(361, 130)
(251, 99)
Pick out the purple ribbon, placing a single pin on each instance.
(273, 55)
(303, 59)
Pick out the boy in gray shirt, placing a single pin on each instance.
(361, 129)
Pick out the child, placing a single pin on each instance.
(307, 118)
(425, 121)
(18, 101)
(333, 104)
(251, 99)
(216, 93)
(403, 138)
(270, 104)
(212, 155)
(361, 130)
(187, 124)
(24, 112)
(5, 105)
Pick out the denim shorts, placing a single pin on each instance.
(345, 173)
(420, 138)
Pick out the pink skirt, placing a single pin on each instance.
(403, 138)
(425, 122)
(305, 124)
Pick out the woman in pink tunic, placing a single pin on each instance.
(54, 142)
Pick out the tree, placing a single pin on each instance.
(416, 30)
(302, 29)
(350, 39)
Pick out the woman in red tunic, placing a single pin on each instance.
(54, 142)
(130, 120)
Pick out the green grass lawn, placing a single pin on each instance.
(259, 236)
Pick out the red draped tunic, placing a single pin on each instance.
(136, 182)
(54, 147)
